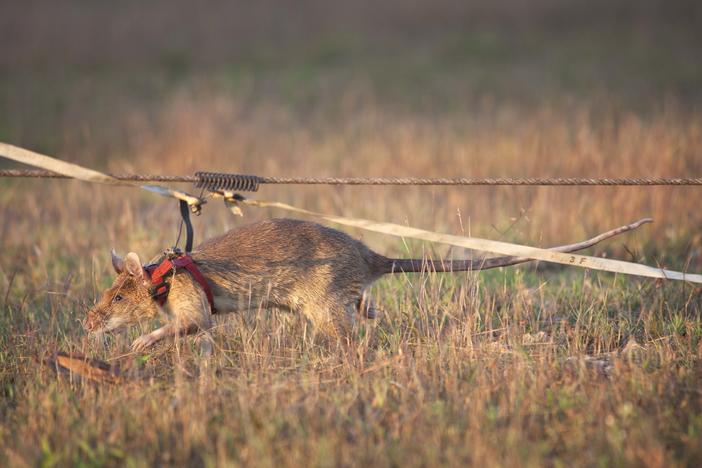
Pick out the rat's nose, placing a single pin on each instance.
(89, 322)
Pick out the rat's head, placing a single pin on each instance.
(127, 301)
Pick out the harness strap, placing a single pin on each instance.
(185, 214)
(160, 285)
(186, 261)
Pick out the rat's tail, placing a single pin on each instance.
(416, 265)
(400, 265)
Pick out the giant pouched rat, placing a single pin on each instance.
(285, 263)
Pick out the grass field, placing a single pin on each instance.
(522, 366)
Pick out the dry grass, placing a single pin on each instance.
(511, 367)
(521, 367)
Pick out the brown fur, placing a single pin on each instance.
(284, 263)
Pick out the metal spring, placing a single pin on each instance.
(228, 182)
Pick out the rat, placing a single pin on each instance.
(283, 263)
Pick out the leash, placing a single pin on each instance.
(185, 215)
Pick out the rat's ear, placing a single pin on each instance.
(132, 265)
(117, 262)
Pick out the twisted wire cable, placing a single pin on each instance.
(245, 182)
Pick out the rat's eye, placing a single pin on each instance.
(117, 298)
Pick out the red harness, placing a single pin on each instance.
(159, 274)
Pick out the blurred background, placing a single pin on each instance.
(396, 88)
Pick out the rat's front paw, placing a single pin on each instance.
(143, 342)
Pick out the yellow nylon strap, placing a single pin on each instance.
(78, 172)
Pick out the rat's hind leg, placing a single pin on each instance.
(332, 319)
(366, 307)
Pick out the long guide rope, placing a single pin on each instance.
(208, 179)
